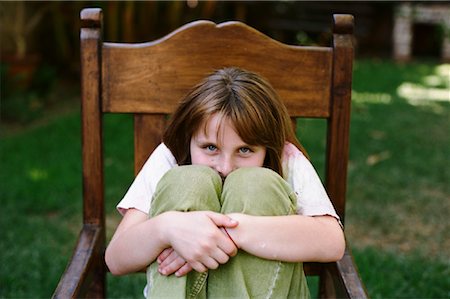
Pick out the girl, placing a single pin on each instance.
(228, 205)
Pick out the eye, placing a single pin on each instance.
(210, 147)
(245, 150)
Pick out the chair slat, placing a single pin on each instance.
(137, 77)
(148, 130)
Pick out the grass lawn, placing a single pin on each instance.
(398, 190)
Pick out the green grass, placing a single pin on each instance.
(397, 213)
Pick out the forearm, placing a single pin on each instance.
(195, 236)
(135, 247)
(290, 238)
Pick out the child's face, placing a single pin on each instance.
(223, 151)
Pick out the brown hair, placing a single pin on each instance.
(247, 100)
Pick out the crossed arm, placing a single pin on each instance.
(181, 242)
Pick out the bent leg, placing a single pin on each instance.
(183, 188)
(187, 188)
(259, 192)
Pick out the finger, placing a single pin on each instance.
(222, 220)
(164, 254)
(227, 245)
(185, 269)
(220, 256)
(197, 266)
(210, 262)
(170, 259)
(172, 267)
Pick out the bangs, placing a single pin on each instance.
(255, 125)
(249, 128)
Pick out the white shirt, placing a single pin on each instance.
(312, 199)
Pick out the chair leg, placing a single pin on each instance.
(97, 288)
(326, 286)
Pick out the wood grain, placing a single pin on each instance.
(153, 77)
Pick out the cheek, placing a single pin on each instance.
(255, 161)
(195, 153)
(261, 159)
(195, 157)
(199, 158)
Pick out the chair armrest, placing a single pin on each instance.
(79, 273)
(345, 279)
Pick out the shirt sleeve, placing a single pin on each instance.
(140, 193)
(312, 199)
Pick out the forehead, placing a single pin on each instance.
(217, 126)
(214, 124)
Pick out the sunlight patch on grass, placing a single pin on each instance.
(36, 174)
(434, 88)
(415, 94)
(371, 97)
(378, 157)
(443, 70)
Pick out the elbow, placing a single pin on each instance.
(338, 247)
(111, 264)
(115, 272)
(335, 244)
(334, 253)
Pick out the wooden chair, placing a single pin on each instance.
(148, 80)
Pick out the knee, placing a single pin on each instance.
(253, 178)
(187, 188)
(192, 177)
(190, 171)
(257, 191)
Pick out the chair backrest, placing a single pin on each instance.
(148, 79)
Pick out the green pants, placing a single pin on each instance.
(254, 191)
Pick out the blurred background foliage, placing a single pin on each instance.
(398, 193)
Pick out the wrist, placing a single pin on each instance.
(165, 230)
(236, 234)
(229, 236)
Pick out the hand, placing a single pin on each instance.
(170, 262)
(197, 239)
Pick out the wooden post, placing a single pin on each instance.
(93, 188)
(339, 121)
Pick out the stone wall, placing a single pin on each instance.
(406, 14)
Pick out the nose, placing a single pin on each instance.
(224, 166)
